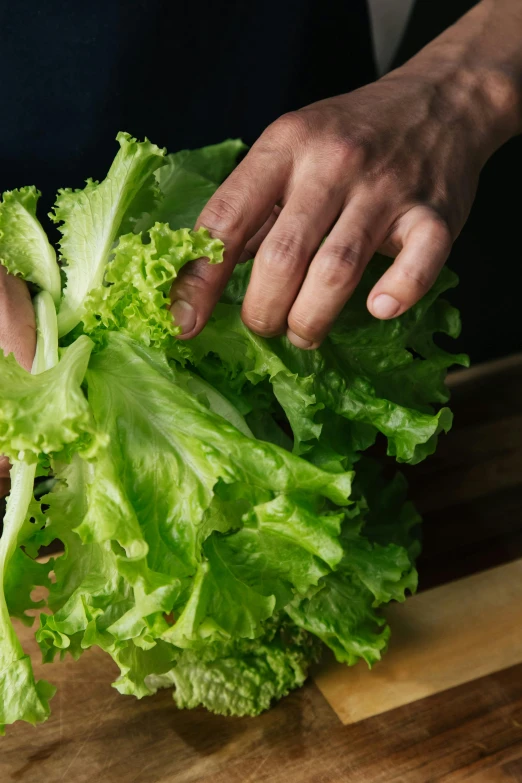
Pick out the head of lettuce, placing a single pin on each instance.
(218, 518)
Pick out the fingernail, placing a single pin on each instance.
(299, 342)
(184, 315)
(385, 306)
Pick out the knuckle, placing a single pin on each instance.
(304, 327)
(335, 154)
(223, 215)
(334, 273)
(291, 128)
(435, 226)
(191, 285)
(418, 276)
(262, 323)
(340, 263)
(346, 151)
(280, 252)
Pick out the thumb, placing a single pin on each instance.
(17, 336)
(17, 322)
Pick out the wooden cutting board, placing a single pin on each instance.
(471, 497)
(444, 637)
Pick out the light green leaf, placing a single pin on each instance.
(220, 605)
(284, 546)
(175, 450)
(242, 677)
(48, 411)
(340, 613)
(250, 358)
(25, 250)
(93, 218)
(366, 371)
(135, 298)
(187, 181)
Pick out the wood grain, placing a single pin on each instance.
(473, 732)
(469, 734)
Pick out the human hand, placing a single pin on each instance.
(392, 167)
(17, 336)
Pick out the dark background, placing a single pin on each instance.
(486, 255)
(189, 74)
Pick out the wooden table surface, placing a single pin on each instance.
(471, 496)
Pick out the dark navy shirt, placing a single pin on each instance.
(184, 74)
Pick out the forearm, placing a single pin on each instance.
(477, 66)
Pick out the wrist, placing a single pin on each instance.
(484, 96)
(500, 93)
(474, 72)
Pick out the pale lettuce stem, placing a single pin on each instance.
(46, 355)
(22, 481)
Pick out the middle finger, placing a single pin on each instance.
(282, 260)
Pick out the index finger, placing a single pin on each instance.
(236, 211)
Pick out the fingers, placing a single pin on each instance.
(283, 258)
(235, 213)
(253, 245)
(336, 270)
(17, 323)
(426, 242)
(298, 285)
(338, 266)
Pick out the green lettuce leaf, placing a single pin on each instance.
(24, 248)
(343, 610)
(244, 576)
(22, 697)
(239, 677)
(242, 677)
(144, 670)
(92, 219)
(249, 359)
(390, 518)
(210, 397)
(149, 501)
(187, 181)
(175, 449)
(282, 548)
(220, 605)
(381, 376)
(22, 576)
(135, 298)
(103, 594)
(48, 411)
(342, 616)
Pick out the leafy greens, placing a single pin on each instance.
(218, 519)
